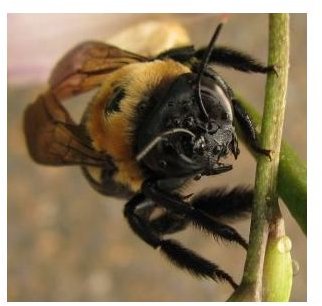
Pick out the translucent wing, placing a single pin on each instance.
(52, 136)
(86, 66)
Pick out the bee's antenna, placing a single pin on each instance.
(202, 67)
(157, 139)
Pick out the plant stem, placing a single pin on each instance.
(265, 194)
(291, 185)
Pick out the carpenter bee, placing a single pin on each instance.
(155, 124)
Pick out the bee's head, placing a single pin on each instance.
(190, 130)
(177, 139)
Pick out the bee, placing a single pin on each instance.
(155, 124)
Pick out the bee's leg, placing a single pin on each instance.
(248, 128)
(235, 59)
(111, 187)
(217, 203)
(220, 203)
(161, 220)
(180, 54)
(169, 223)
(101, 180)
(176, 253)
(175, 204)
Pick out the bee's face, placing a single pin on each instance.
(189, 143)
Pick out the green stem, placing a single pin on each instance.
(291, 185)
(265, 206)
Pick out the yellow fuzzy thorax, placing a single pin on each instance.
(113, 133)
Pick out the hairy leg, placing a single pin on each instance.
(174, 251)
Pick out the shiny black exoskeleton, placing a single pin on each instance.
(191, 145)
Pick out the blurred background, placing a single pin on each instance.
(68, 243)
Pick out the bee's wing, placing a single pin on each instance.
(86, 66)
(53, 138)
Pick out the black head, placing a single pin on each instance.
(190, 130)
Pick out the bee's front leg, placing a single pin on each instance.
(248, 128)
